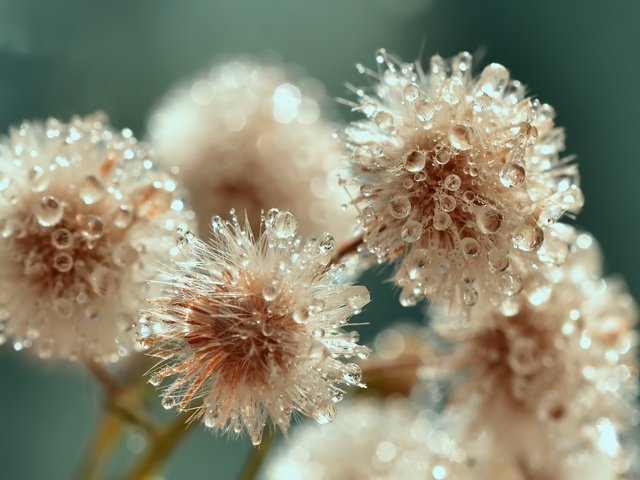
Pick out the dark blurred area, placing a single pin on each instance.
(59, 58)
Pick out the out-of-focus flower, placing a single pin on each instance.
(84, 217)
(458, 176)
(254, 327)
(249, 137)
(372, 439)
(559, 372)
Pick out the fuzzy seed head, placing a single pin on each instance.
(562, 365)
(248, 135)
(84, 217)
(251, 328)
(457, 176)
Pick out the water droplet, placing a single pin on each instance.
(411, 231)
(91, 190)
(267, 329)
(447, 203)
(498, 260)
(407, 297)
(411, 92)
(125, 255)
(512, 175)
(366, 189)
(511, 284)
(452, 182)
(352, 373)
(104, 282)
(470, 247)
(151, 201)
(318, 333)
(168, 402)
(384, 120)
(317, 305)
(122, 217)
(493, 80)
(441, 221)
(62, 239)
(155, 380)
(461, 137)
(269, 292)
(93, 228)
(301, 315)
(424, 111)
(443, 157)
(285, 225)
(362, 352)
(400, 207)
(414, 160)
(49, 211)
(63, 262)
(38, 179)
(63, 306)
(528, 237)
(326, 244)
(318, 351)
(489, 219)
(7, 228)
(326, 416)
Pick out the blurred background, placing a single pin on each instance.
(62, 57)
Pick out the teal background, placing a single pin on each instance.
(60, 57)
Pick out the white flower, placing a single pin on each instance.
(253, 327)
(84, 218)
(249, 137)
(459, 177)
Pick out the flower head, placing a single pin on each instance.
(84, 218)
(458, 176)
(561, 366)
(254, 327)
(372, 439)
(246, 136)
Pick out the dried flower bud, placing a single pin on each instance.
(459, 177)
(246, 136)
(84, 218)
(254, 327)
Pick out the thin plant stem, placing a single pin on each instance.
(160, 448)
(346, 249)
(256, 457)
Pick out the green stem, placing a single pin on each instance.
(160, 448)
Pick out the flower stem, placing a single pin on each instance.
(160, 448)
(257, 456)
(346, 249)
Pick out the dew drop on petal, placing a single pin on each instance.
(414, 160)
(447, 203)
(91, 190)
(411, 231)
(269, 292)
(122, 217)
(63, 262)
(512, 175)
(441, 221)
(470, 247)
(285, 225)
(452, 182)
(7, 228)
(301, 315)
(498, 260)
(400, 207)
(384, 120)
(62, 239)
(528, 237)
(424, 111)
(489, 219)
(49, 211)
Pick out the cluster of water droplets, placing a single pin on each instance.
(84, 217)
(566, 353)
(271, 310)
(372, 439)
(458, 175)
